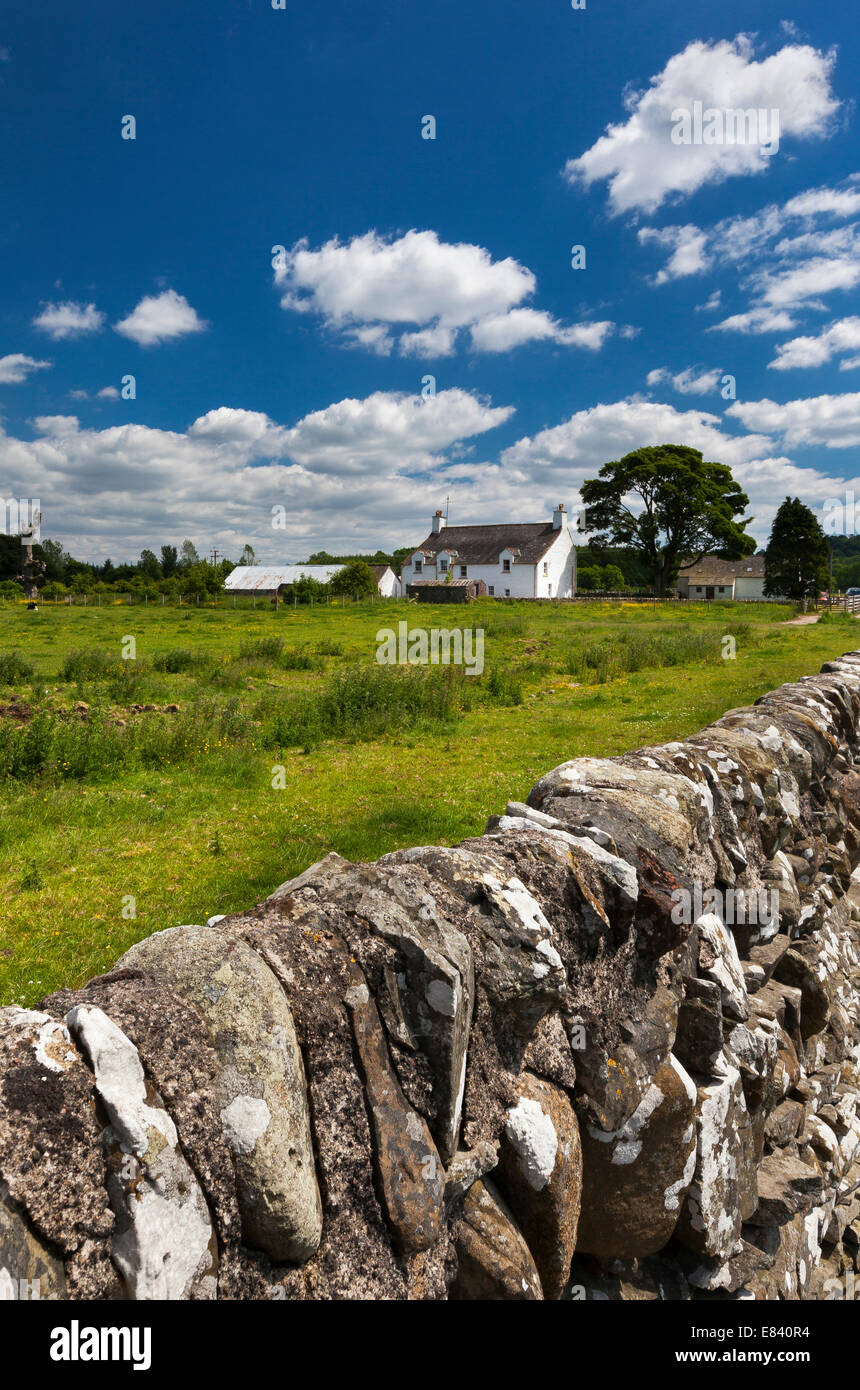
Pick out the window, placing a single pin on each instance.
(463, 572)
(507, 593)
(545, 568)
(443, 565)
(418, 566)
(506, 566)
(491, 591)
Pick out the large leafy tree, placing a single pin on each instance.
(795, 562)
(356, 579)
(667, 504)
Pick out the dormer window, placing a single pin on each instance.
(419, 566)
(443, 564)
(506, 566)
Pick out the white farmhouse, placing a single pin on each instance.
(530, 559)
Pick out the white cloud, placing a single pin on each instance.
(389, 428)
(642, 165)
(734, 239)
(437, 341)
(783, 274)
(357, 474)
(16, 367)
(107, 393)
(807, 282)
(158, 318)
(839, 202)
(831, 421)
(500, 332)
(592, 437)
(361, 473)
(561, 458)
(689, 250)
(415, 279)
(756, 321)
(842, 336)
(374, 336)
(690, 382)
(69, 320)
(364, 287)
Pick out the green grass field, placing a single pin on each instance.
(116, 823)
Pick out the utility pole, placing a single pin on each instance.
(32, 571)
(447, 506)
(215, 554)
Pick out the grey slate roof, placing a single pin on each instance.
(482, 545)
(711, 570)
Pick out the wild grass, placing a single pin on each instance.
(676, 646)
(180, 812)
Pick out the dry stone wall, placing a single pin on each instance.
(565, 1059)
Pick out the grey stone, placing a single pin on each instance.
(261, 1084)
(163, 1242)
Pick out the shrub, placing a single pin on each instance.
(90, 663)
(298, 659)
(14, 669)
(180, 659)
(266, 648)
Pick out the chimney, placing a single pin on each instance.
(559, 517)
(438, 522)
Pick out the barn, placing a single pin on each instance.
(264, 581)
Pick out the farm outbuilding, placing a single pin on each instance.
(264, 581)
(387, 581)
(713, 578)
(452, 591)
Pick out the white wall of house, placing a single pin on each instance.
(557, 581)
(749, 586)
(744, 587)
(725, 590)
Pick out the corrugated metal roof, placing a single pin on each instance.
(261, 577)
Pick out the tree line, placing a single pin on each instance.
(174, 570)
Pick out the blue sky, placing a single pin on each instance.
(302, 384)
